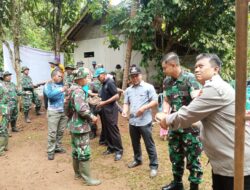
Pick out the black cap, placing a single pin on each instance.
(134, 71)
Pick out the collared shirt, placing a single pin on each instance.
(215, 107)
(136, 96)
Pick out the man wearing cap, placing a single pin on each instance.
(12, 93)
(109, 114)
(79, 118)
(31, 95)
(140, 97)
(180, 89)
(57, 120)
(69, 77)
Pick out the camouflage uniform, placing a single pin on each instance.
(12, 93)
(27, 85)
(4, 118)
(183, 142)
(79, 116)
(68, 79)
(78, 122)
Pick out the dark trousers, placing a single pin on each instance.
(146, 133)
(227, 183)
(109, 118)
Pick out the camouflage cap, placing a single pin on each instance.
(24, 68)
(80, 73)
(6, 73)
(70, 66)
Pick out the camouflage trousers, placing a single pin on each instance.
(185, 145)
(13, 110)
(28, 99)
(3, 135)
(57, 122)
(80, 146)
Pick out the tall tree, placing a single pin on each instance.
(184, 26)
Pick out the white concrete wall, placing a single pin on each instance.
(103, 55)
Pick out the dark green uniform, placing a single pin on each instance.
(4, 118)
(32, 96)
(183, 143)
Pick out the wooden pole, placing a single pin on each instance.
(241, 68)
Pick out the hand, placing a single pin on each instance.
(161, 119)
(64, 88)
(140, 111)
(94, 119)
(101, 104)
(124, 114)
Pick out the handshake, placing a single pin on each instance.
(160, 118)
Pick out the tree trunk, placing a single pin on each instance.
(57, 31)
(16, 34)
(129, 49)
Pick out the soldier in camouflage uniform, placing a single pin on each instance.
(95, 87)
(180, 88)
(31, 95)
(68, 77)
(12, 93)
(4, 117)
(79, 117)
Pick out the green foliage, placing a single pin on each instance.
(184, 26)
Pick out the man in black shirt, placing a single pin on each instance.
(109, 114)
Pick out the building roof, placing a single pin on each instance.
(75, 28)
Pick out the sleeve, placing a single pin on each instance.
(81, 107)
(126, 99)
(198, 109)
(51, 93)
(112, 88)
(152, 94)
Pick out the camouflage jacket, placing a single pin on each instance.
(78, 121)
(26, 82)
(95, 86)
(4, 108)
(12, 92)
(68, 79)
(178, 91)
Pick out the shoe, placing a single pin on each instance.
(60, 150)
(174, 186)
(107, 152)
(15, 130)
(118, 157)
(51, 156)
(153, 173)
(134, 164)
(194, 186)
(103, 143)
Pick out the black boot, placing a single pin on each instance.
(38, 112)
(13, 126)
(26, 117)
(194, 186)
(174, 185)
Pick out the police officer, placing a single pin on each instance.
(79, 118)
(31, 95)
(180, 88)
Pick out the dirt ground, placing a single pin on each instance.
(26, 167)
